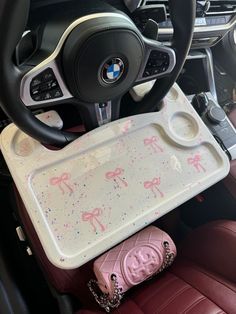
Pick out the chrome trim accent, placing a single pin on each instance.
(103, 114)
(50, 62)
(209, 67)
(232, 151)
(220, 70)
(26, 33)
(201, 29)
(132, 4)
(209, 13)
(157, 46)
(195, 54)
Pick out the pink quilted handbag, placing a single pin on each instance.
(128, 264)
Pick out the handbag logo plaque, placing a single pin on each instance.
(140, 263)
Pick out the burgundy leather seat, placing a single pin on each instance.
(202, 280)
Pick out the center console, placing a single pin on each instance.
(197, 82)
(213, 20)
(218, 123)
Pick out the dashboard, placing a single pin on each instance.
(214, 18)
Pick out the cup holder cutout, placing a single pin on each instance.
(173, 94)
(184, 126)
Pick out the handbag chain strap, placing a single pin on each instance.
(104, 300)
(169, 257)
(108, 303)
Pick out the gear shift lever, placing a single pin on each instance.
(205, 106)
(200, 103)
(216, 120)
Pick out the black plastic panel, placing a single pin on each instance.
(45, 86)
(158, 62)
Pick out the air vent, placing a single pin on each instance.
(220, 7)
(150, 2)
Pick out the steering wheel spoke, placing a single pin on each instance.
(94, 55)
(44, 84)
(159, 61)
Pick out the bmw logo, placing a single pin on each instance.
(112, 70)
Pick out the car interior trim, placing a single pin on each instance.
(202, 29)
(50, 62)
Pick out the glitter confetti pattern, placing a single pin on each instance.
(113, 181)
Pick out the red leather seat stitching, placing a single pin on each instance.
(194, 304)
(173, 297)
(203, 289)
(160, 287)
(215, 277)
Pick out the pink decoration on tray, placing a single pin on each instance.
(152, 142)
(62, 182)
(196, 162)
(126, 127)
(153, 186)
(116, 177)
(92, 218)
(25, 147)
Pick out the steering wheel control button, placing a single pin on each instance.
(147, 72)
(45, 86)
(216, 115)
(112, 70)
(158, 63)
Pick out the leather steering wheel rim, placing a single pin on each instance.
(13, 20)
(181, 44)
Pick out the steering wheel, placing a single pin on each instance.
(88, 53)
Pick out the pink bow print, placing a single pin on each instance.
(195, 161)
(152, 142)
(116, 176)
(127, 125)
(92, 218)
(62, 180)
(153, 186)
